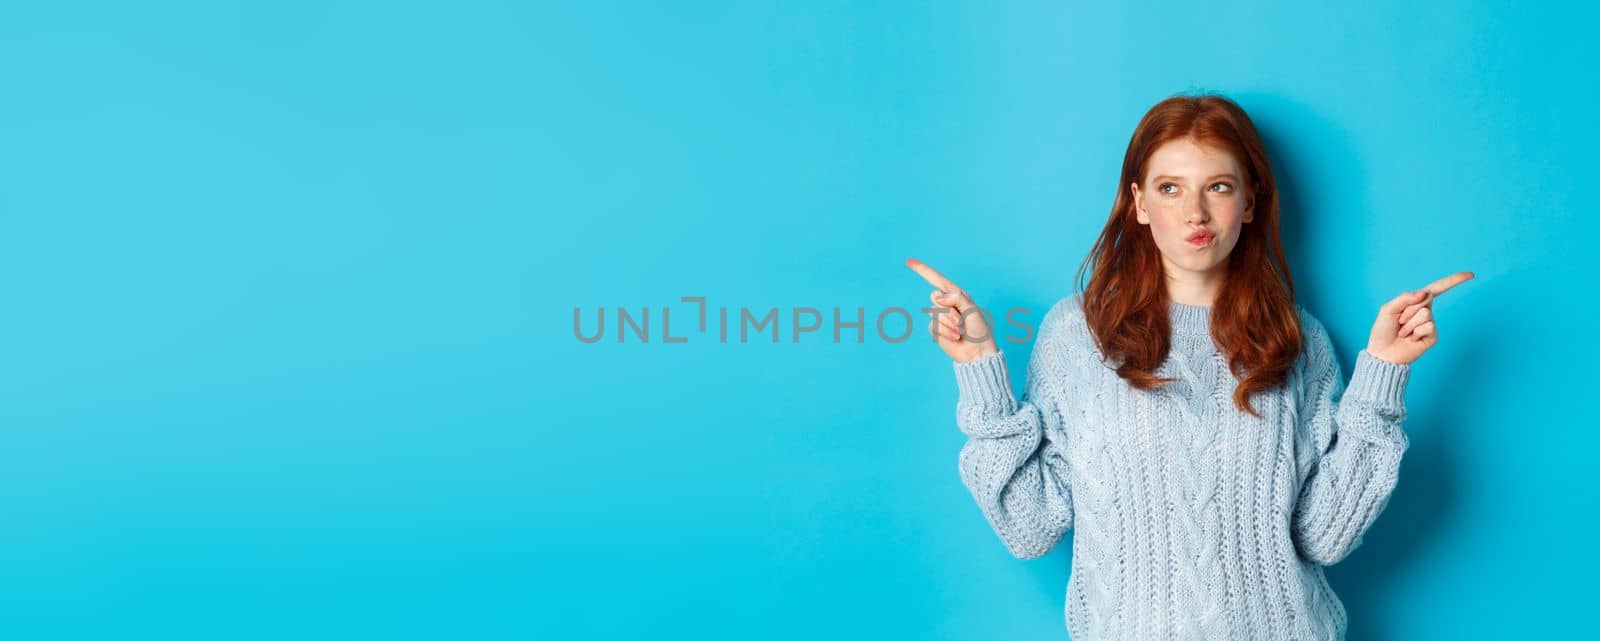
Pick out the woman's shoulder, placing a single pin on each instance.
(1066, 311)
(1308, 321)
(1317, 346)
(1064, 322)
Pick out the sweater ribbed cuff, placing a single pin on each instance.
(1379, 381)
(1381, 384)
(985, 385)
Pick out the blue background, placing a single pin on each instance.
(288, 294)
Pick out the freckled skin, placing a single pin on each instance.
(1182, 192)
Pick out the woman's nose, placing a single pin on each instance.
(1197, 213)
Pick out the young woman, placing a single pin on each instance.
(1183, 415)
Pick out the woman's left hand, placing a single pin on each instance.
(1405, 327)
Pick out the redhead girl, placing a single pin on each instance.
(1183, 415)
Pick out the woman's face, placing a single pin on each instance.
(1187, 189)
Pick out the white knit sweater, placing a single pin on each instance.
(1190, 518)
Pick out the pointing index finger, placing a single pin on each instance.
(1443, 285)
(929, 274)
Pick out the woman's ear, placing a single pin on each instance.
(1250, 210)
(1138, 205)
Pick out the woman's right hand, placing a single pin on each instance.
(963, 331)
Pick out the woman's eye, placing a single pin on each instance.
(1222, 187)
(1164, 187)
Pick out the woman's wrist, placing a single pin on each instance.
(985, 350)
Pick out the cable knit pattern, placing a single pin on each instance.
(1190, 518)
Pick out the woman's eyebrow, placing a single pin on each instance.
(1166, 177)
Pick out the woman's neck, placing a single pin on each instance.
(1197, 290)
(1194, 288)
(1191, 286)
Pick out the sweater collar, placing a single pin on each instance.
(1189, 319)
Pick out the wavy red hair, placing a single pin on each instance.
(1254, 321)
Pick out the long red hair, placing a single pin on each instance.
(1254, 322)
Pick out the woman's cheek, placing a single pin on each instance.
(1162, 220)
(1232, 207)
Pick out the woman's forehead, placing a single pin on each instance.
(1187, 158)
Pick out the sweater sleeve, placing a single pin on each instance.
(1013, 461)
(1350, 460)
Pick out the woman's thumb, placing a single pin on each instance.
(957, 299)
